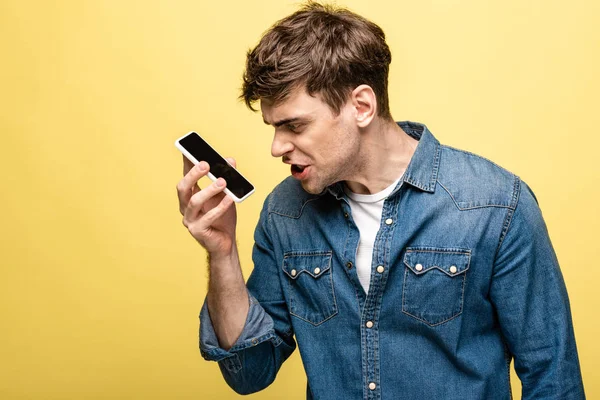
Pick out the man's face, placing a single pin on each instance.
(322, 148)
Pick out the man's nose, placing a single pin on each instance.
(281, 145)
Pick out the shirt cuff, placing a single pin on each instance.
(257, 329)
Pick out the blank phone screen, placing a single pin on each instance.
(202, 151)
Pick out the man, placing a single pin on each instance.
(403, 268)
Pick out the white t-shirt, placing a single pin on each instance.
(366, 212)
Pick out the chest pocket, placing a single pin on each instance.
(434, 283)
(310, 286)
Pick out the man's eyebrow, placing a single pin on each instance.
(284, 121)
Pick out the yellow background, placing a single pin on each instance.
(101, 284)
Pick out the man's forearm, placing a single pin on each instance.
(227, 298)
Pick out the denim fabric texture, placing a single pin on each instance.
(464, 279)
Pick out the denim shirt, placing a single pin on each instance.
(464, 279)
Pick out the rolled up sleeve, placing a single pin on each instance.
(257, 329)
(266, 341)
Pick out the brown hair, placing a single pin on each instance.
(327, 49)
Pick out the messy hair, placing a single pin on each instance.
(325, 49)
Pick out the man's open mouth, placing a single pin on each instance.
(298, 168)
(300, 171)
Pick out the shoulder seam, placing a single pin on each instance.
(478, 156)
(509, 213)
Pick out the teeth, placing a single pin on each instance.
(298, 168)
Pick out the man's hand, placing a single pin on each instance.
(209, 214)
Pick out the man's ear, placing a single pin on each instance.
(364, 102)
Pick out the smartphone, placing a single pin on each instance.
(196, 149)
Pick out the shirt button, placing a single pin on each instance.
(317, 270)
(380, 269)
(389, 221)
(372, 385)
(369, 324)
(294, 272)
(349, 264)
(453, 269)
(419, 267)
(345, 215)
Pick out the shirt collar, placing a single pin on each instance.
(423, 167)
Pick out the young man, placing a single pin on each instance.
(403, 268)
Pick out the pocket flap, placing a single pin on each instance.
(313, 263)
(450, 261)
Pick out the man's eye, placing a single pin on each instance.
(294, 128)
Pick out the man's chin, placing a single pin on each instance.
(312, 189)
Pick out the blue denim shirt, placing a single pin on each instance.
(469, 282)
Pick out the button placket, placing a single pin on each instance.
(371, 355)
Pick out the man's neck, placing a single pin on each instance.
(386, 151)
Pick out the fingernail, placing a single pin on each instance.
(202, 166)
(220, 182)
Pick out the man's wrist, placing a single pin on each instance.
(223, 257)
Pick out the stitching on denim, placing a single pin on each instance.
(462, 299)
(306, 254)
(436, 164)
(300, 211)
(451, 195)
(356, 288)
(433, 249)
(232, 364)
(384, 256)
(430, 187)
(477, 156)
(507, 359)
(219, 354)
(299, 272)
(509, 214)
(404, 288)
(439, 251)
(421, 319)
(348, 232)
(484, 206)
(462, 208)
(419, 273)
(462, 291)
(441, 322)
(293, 301)
(330, 267)
(326, 319)
(315, 323)
(417, 184)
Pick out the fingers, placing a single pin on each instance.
(198, 200)
(188, 186)
(208, 219)
(187, 165)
